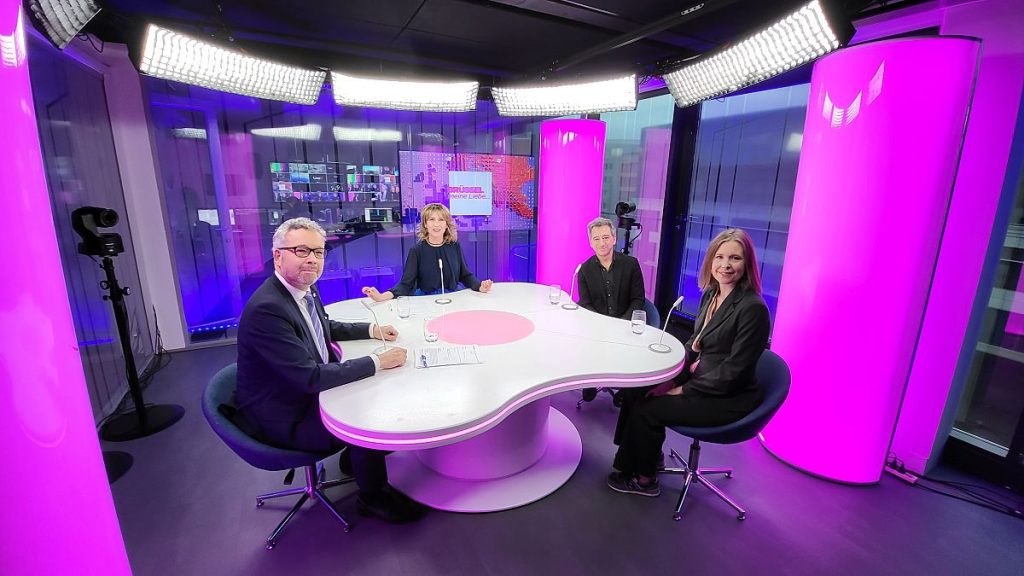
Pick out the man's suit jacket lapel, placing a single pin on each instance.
(298, 318)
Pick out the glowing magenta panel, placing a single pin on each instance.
(881, 140)
(59, 518)
(571, 171)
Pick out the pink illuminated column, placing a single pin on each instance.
(884, 126)
(571, 170)
(59, 515)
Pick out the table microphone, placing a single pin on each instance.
(379, 329)
(658, 346)
(442, 299)
(570, 305)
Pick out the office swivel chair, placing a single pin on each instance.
(773, 377)
(217, 407)
(654, 321)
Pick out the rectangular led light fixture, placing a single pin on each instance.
(303, 132)
(189, 133)
(584, 98)
(62, 20)
(795, 40)
(402, 95)
(173, 56)
(367, 134)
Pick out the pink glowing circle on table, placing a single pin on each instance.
(483, 327)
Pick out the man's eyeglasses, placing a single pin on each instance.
(304, 251)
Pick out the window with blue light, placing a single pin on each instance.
(744, 176)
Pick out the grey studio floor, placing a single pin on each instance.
(187, 507)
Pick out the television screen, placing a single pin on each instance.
(333, 182)
(377, 215)
(498, 187)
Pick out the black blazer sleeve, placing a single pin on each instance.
(410, 274)
(583, 280)
(465, 276)
(635, 280)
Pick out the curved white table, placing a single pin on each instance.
(483, 437)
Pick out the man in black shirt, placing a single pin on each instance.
(610, 283)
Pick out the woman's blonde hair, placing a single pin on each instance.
(751, 279)
(450, 233)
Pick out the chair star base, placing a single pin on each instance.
(314, 488)
(691, 471)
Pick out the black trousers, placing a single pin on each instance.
(640, 431)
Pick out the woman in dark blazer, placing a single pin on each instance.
(718, 385)
(422, 275)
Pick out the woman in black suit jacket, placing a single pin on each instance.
(718, 385)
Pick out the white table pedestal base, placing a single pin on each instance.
(500, 478)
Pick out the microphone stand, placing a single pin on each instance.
(658, 346)
(442, 299)
(380, 330)
(570, 305)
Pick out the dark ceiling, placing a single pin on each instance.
(493, 41)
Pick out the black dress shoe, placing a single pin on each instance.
(389, 506)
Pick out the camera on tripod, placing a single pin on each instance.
(626, 213)
(144, 419)
(87, 221)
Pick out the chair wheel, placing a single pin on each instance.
(677, 517)
(741, 516)
(270, 545)
(348, 528)
(728, 474)
(259, 502)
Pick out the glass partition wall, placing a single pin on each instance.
(636, 160)
(991, 411)
(233, 168)
(77, 144)
(744, 176)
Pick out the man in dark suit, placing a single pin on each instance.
(610, 283)
(285, 360)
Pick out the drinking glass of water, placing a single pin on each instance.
(404, 308)
(639, 321)
(555, 294)
(429, 333)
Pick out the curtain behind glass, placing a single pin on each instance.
(81, 170)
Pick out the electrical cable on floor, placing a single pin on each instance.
(971, 493)
(973, 498)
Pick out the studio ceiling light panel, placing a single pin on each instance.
(367, 134)
(303, 132)
(62, 20)
(584, 98)
(174, 56)
(402, 95)
(793, 41)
